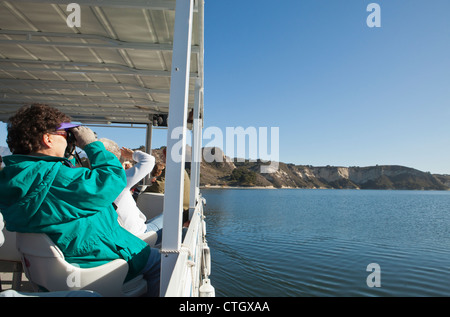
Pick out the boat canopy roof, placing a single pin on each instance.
(113, 67)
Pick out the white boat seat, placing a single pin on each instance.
(10, 259)
(149, 237)
(151, 204)
(8, 251)
(45, 266)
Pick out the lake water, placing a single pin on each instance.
(303, 242)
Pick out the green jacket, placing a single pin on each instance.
(73, 206)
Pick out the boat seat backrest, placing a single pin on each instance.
(8, 251)
(150, 204)
(44, 265)
(10, 259)
(148, 237)
(38, 244)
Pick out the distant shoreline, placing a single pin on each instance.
(239, 187)
(248, 175)
(272, 187)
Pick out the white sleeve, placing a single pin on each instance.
(144, 165)
(2, 237)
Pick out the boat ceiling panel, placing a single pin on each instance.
(115, 67)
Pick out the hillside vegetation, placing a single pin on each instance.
(248, 174)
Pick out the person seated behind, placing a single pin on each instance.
(130, 217)
(158, 177)
(127, 164)
(42, 192)
(157, 171)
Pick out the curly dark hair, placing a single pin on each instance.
(29, 123)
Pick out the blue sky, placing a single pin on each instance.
(340, 93)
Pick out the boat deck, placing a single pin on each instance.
(7, 282)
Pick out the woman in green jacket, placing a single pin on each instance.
(42, 192)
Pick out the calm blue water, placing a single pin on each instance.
(300, 242)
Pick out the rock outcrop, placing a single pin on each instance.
(227, 172)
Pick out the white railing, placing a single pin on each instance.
(193, 266)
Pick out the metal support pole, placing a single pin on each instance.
(148, 148)
(176, 147)
(196, 146)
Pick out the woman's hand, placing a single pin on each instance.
(127, 154)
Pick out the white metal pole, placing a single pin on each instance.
(196, 146)
(176, 147)
(148, 148)
(198, 114)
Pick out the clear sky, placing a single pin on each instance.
(340, 92)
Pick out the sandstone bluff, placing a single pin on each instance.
(226, 172)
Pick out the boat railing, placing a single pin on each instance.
(190, 277)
